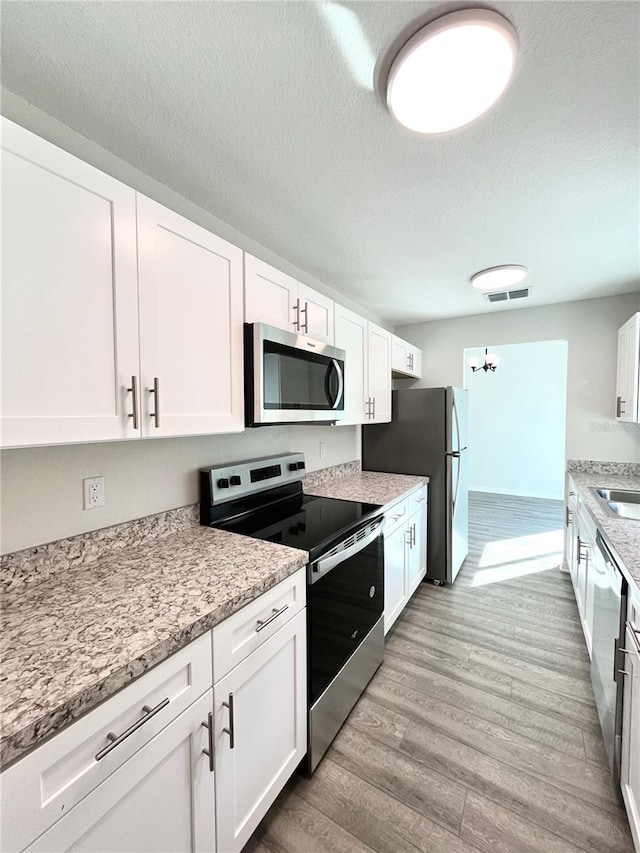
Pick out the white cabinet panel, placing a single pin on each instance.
(417, 549)
(69, 297)
(630, 765)
(406, 359)
(262, 702)
(316, 314)
(270, 296)
(190, 326)
(628, 372)
(351, 335)
(395, 579)
(379, 373)
(160, 800)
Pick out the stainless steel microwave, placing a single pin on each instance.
(290, 378)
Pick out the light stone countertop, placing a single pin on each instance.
(367, 486)
(622, 535)
(70, 641)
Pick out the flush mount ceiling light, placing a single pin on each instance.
(499, 278)
(452, 71)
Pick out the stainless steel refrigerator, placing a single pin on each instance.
(428, 435)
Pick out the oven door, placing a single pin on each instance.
(290, 378)
(345, 599)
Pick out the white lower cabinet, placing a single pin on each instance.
(260, 731)
(630, 764)
(405, 554)
(159, 800)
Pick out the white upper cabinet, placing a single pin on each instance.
(270, 296)
(69, 297)
(191, 377)
(274, 298)
(316, 314)
(351, 335)
(379, 374)
(628, 374)
(116, 322)
(406, 360)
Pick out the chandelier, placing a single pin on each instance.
(490, 363)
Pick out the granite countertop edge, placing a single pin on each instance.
(622, 535)
(17, 744)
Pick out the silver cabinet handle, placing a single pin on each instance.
(156, 397)
(231, 731)
(374, 407)
(413, 534)
(134, 401)
(407, 541)
(571, 494)
(116, 740)
(619, 410)
(305, 311)
(209, 750)
(274, 615)
(296, 322)
(568, 516)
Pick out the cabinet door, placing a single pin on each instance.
(270, 296)
(162, 799)
(262, 705)
(351, 336)
(630, 768)
(69, 297)
(316, 314)
(417, 549)
(379, 373)
(399, 355)
(190, 326)
(628, 376)
(395, 576)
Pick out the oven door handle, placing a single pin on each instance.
(340, 375)
(322, 566)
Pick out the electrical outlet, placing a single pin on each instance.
(93, 488)
(323, 449)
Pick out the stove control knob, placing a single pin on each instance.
(223, 483)
(236, 480)
(301, 466)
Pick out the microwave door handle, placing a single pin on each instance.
(340, 375)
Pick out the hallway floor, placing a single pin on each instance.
(479, 731)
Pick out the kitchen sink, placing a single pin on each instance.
(621, 502)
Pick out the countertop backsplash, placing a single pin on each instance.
(591, 466)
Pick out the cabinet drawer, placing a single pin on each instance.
(396, 516)
(246, 630)
(417, 499)
(48, 782)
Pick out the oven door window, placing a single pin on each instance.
(296, 379)
(343, 606)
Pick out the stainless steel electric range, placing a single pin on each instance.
(263, 498)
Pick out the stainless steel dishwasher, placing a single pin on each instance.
(607, 658)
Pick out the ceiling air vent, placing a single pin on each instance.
(508, 295)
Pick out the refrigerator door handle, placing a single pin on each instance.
(455, 497)
(455, 414)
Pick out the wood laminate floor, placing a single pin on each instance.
(479, 731)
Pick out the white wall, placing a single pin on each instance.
(590, 327)
(42, 486)
(517, 420)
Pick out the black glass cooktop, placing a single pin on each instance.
(304, 521)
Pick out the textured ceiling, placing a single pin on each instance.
(266, 114)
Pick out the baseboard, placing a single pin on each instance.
(518, 494)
